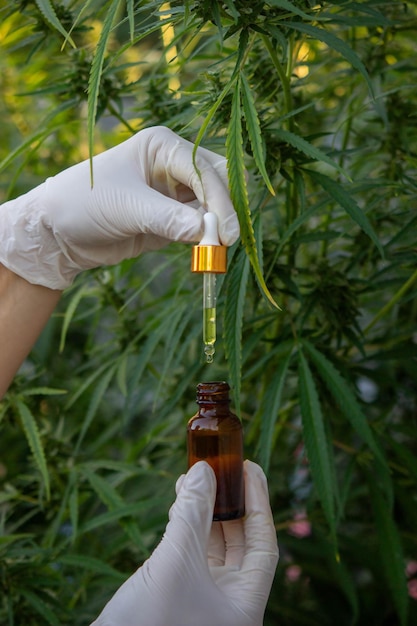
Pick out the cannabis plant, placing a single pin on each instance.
(314, 104)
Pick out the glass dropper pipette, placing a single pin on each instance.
(209, 258)
(209, 315)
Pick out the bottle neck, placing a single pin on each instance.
(213, 394)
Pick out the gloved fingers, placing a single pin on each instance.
(164, 136)
(216, 553)
(149, 243)
(218, 162)
(249, 585)
(207, 186)
(235, 543)
(152, 213)
(261, 552)
(178, 484)
(227, 544)
(192, 512)
(170, 170)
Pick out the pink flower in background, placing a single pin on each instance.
(412, 588)
(293, 573)
(411, 570)
(300, 527)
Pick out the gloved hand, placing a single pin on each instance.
(145, 194)
(203, 573)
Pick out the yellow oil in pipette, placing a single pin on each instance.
(209, 337)
(209, 333)
(209, 258)
(209, 315)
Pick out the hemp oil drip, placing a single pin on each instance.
(209, 258)
(215, 435)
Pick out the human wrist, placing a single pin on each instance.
(24, 310)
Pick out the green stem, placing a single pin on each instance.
(121, 119)
(283, 78)
(387, 308)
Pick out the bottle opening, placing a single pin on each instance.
(217, 391)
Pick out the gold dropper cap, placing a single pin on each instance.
(209, 259)
(209, 255)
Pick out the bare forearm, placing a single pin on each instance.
(24, 311)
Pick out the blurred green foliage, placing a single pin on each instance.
(317, 102)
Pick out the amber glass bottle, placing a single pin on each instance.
(215, 435)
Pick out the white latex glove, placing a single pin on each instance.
(204, 573)
(145, 195)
